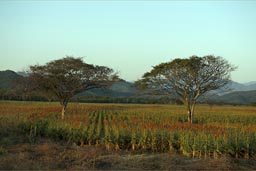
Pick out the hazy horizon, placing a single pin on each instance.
(128, 36)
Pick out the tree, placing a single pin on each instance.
(68, 76)
(23, 87)
(188, 78)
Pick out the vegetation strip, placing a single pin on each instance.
(217, 131)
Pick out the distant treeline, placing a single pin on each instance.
(134, 100)
(12, 95)
(92, 99)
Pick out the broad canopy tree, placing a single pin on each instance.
(68, 76)
(188, 78)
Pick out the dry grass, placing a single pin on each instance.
(49, 155)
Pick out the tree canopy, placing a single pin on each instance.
(63, 78)
(188, 78)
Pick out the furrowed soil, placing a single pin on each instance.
(49, 155)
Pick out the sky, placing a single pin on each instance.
(128, 36)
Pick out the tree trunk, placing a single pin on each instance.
(63, 103)
(188, 104)
(191, 110)
(190, 116)
(63, 111)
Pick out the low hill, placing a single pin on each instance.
(239, 97)
(236, 98)
(7, 78)
(118, 89)
(236, 93)
(235, 86)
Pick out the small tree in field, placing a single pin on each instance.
(188, 78)
(68, 76)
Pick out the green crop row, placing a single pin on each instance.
(220, 131)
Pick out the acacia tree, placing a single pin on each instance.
(188, 78)
(68, 76)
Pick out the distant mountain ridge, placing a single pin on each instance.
(6, 79)
(118, 89)
(236, 98)
(239, 97)
(235, 86)
(236, 93)
(250, 83)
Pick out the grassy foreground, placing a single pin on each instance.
(113, 136)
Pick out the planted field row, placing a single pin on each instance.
(218, 131)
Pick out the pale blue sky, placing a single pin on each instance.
(128, 36)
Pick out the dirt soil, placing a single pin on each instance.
(49, 155)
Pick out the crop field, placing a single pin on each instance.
(217, 131)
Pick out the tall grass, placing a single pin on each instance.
(218, 130)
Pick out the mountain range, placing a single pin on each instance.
(235, 93)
